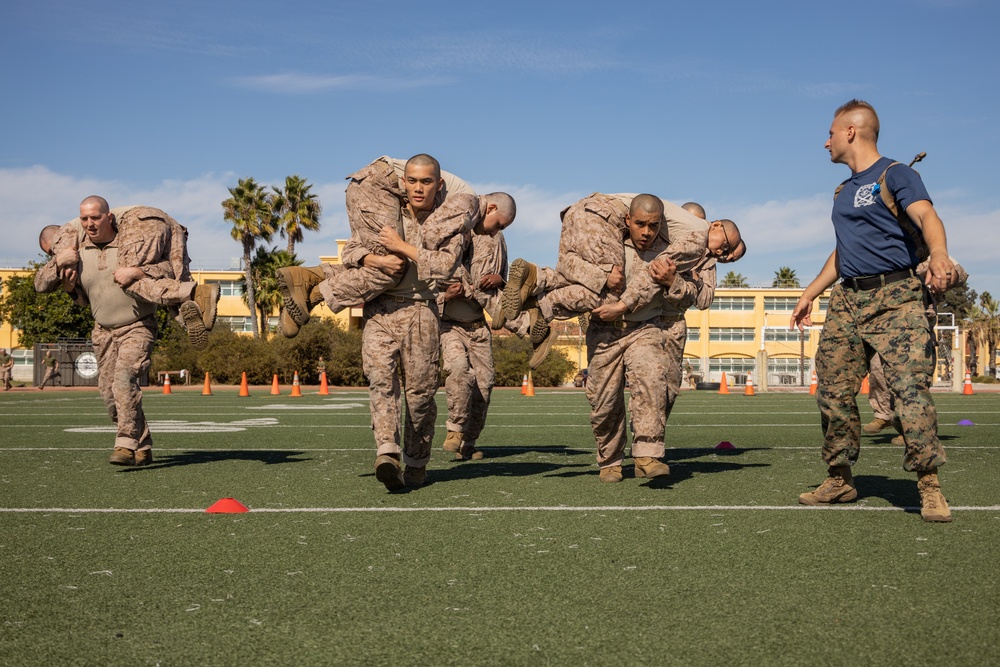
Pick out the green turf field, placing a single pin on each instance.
(522, 558)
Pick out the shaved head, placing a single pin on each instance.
(506, 206)
(861, 115)
(646, 203)
(96, 199)
(47, 237)
(425, 160)
(695, 209)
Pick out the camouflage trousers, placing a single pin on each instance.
(638, 355)
(162, 291)
(50, 374)
(559, 299)
(122, 356)
(467, 353)
(400, 352)
(889, 321)
(674, 338)
(346, 287)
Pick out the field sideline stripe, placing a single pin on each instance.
(526, 448)
(543, 508)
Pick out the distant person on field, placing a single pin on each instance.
(6, 368)
(51, 365)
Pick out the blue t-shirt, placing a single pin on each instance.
(869, 238)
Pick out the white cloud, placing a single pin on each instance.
(298, 83)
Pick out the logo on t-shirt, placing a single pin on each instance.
(865, 196)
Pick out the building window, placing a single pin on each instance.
(732, 334)
(228, 288)
(23, 357)
(731, 365)
(783, 365)
(785, 335)
(733, 303)
(693, 334)
(824, 303)
(780, 303)
(236, 324)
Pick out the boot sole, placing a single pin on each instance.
(209, 314)
(511, 300)
(844, 498)
(195, 325)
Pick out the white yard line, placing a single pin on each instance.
(476, 510)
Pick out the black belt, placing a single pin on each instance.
(469, 326)
(624, 325)
(882, 279)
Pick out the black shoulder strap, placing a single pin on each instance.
(904, 221)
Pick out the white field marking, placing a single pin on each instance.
(476, 510)
(708, 449)
(344, 406)
(179, 426)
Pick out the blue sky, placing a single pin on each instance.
(725, 103)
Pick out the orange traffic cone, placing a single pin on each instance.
(524, 385)
(166, 384)
(296, 390)
(864, 385)
(749, 390)
(530, 389)
(207, 391)
(274, 386)
(324, 388)
(813, 384)
(966, 389)
(244, 386)
(723, 386)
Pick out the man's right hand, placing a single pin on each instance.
(801, 315)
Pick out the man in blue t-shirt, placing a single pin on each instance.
(878, 308)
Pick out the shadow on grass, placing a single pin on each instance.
(901, 493)
(485, 468)
(517, 450)
(681, 472)
(684, 453)
(267, 457)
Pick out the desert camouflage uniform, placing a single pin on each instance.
(675, 326)
(123, 335)
(590, 245)
(151, 240)
(467, 342)
(375, 199)
(401, 348)
(892, 322)
(631, 348)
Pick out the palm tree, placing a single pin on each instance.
(297, 210)
(734, 279)
(266, 295)
(985, 329)
(249, 209)
(785, 277)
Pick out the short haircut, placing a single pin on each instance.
(695, 208)
(732, 232)
(865, 117)
(100, 201)
(46, 238)
(646, 203)
(424, 160)
(505, 204)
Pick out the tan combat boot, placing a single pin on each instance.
(933, 506)
(286, 325)
(542, 337)
(876, 425)
(297, 285)
(452, 442)
(143, 457)
(521, 282)
(647, 466)
(122, 456)
(611, 474)
(837, 488)
(387, 471)
(207, 298)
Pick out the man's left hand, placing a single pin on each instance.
(609, 312)
(941, 273)
(491, 281)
